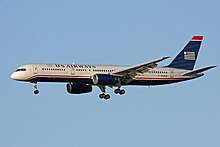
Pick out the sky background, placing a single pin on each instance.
(120, 32)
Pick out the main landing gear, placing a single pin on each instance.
(36, 91)
(119, 91)
(105, 96)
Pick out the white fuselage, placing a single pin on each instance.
(82, 74)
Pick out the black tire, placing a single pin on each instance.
(107, 96)
(101, 96)
(122, 92)
(36, 91)
(117, 91)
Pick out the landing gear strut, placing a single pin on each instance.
(119, 90)
(103, 95)
(34, 83)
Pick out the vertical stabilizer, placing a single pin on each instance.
(187, 57)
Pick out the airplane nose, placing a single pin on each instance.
(13, 76)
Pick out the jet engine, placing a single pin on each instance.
(78, 89)
(104, 79)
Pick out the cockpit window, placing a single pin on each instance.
(21, 69)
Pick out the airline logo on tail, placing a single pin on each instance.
(192, 55)
(189, 56)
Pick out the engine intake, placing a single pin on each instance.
(78, 89)
(104, 79)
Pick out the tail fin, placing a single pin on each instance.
(187, 57)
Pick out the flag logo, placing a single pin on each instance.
(189, 56)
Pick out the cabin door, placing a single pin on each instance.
(35, 69)
(171, 74)
(72, 71)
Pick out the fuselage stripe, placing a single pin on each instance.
(89, 77)
(56, 76)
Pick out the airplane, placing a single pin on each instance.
(81, 78)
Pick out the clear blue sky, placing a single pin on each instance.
(108, 32)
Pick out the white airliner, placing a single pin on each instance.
(81, 78)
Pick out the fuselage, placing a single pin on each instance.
(82, 74)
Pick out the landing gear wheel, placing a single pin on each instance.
(36, 91)
(107, 96)
(117, 91)
(104, 96)
(101, 96)
(122, 92)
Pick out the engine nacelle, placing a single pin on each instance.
(78, 89)
(104, 79)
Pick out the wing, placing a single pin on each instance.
(129, 73)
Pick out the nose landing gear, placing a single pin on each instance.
(36, 91)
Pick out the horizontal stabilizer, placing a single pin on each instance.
(198, 71)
